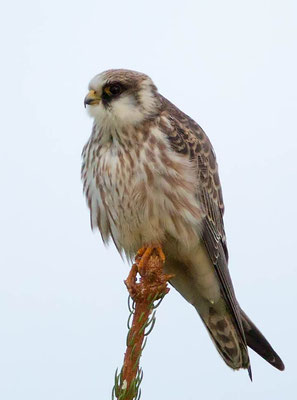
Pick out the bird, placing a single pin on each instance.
(150, 177)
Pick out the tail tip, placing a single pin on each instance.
(277, 363)
(250, 373)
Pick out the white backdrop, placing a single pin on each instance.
(231, 65)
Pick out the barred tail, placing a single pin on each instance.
(227, 340)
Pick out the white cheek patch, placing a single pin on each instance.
(122, 111)
(126, 110)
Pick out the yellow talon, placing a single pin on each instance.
(161, 253)
(144, 254)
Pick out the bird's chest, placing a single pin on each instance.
(130, 183)
(139, 193)
(121, 181)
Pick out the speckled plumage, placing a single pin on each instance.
(150, 177)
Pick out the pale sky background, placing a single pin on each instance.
(231, 65)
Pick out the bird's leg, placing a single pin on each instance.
(142, 258)
(161, 254)
(141, 252)
(148, 264)
(144, 254)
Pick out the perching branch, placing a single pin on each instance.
(146, 295)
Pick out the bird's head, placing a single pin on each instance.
(122, 97)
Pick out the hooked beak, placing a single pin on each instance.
(92, 98)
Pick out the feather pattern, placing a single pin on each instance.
(188, 138)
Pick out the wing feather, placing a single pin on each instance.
(187, 137)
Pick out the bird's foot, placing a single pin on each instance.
(144, 254)
(149, 263)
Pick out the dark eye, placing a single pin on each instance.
(115, 89)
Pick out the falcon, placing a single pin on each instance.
(151, 178)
